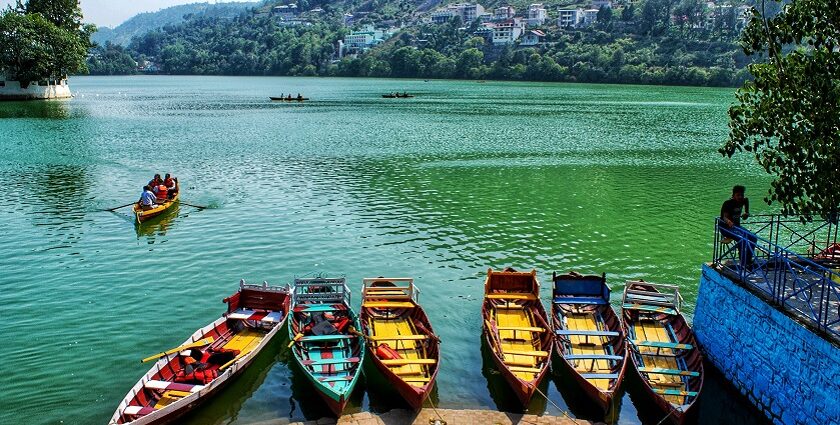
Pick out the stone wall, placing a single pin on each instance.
(787, 371)
(11, 90)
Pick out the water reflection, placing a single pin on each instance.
(381, 393)
(305, 397)
(157, 226)
(577, 401)
(500, 391)
(52, 109)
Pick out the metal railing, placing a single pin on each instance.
(320, 290)
(805, 282)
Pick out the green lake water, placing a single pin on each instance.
(624, 180)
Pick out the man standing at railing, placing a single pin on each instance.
(731, 213)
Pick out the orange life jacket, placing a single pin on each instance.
(169, 182)
(162, 192)
(383, 351)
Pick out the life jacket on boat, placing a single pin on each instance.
(170, 183)
(341, 324)
(162, 192)
(201, 376)
(385, 352)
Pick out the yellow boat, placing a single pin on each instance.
(142, 215)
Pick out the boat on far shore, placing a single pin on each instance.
(397, 95)
(288, 99)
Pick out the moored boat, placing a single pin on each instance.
(588, 335)
(662, 347)
(400, 338)
(188, 375)
(288, 99)
(326, 344)
(141, 215)
(516, 329)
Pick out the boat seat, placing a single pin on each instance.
(520, 328)
(387, 304)
(642, 307)
(138, 410)
(318, 362)
(312, 338)
(402, 362)
(599, 375)
(528, 353)
(512, 296)
(586, 333)
(674, 392)
(246, 314)
(335, 378)
(526, 363)
(579, 300)
(318, 307)
(525, 369)
(663, 371)
(397, 337)
(662, 344)
(593, 357)
(416, 379)
(171, 386)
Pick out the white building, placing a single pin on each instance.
(589, 17)
(532, 38)
(507, 32)
(365, 38)
(34, 90)
(287, 11)
(504, 13)
(468, 12)
(536, 14)
(569, 18)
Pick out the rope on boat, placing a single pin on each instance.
(555, 405)
(666, 417)
(432, 421)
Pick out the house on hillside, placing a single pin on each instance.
(598, 4)
(468, 13)
(364, 39)
(507, 32)
(569, 18)
(532, 38)
(504, 13)
(589, 17)
(286, 11)
(536, 15)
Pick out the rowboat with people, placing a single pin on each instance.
(164, 204)
(288, 98)
(662, 347)
(516, 329)
(588, 335)
(325, 341)
(400, 338)
(190, 374)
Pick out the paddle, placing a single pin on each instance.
(121, 206)
(194, 206)
(199, 343)
(295, 339)
(232, 361)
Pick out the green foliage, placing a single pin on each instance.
(111, 59)
(788, 117)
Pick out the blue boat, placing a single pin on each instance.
(325, 340)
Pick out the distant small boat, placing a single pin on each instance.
(516, 329)
(325, 340)
(192, 373)
(397, 95)
(288, 99)
(588, 335)
(401, 341)
(142, 215)
(662, 346)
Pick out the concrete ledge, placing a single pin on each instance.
(12, 90)
(424, 416)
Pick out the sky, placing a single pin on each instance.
(110, 13)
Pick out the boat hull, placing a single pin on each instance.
(145, 215)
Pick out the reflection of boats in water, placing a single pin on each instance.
(288, 99)
(158, 226)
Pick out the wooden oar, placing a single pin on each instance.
(121, 206)
(199, 343)
(194, 206)
(232, 361)
(295, 339)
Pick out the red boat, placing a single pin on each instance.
(400, 338)
(188, 375)
(588, 335)
(662, 347)
(516, 329)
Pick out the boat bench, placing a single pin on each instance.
(403, 362)
(520, 328)
(585, 333)
(663, 371)
(525, 369)
(662, 344)
(172, 386)
(527, 353)
(387, 304)
(318, 362)
(421, 379)
(245, 314)
(579, 300)
(653, 308)
(318, 308)
(322, 338)
(512, 296)
(335, 378)
(397, 337)
(599, 375)
(593, 357)
(674, 392)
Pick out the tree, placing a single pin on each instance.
(788, 117)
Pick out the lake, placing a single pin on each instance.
(624, 180)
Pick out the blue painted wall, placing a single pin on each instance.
(788, 372)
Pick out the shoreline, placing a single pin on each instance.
(427, 416)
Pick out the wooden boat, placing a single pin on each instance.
(397, 95)
(141, 215)
(662, 347)
(400, 338)
(588, 335)
(288, 99)
(325, 341)
(192, 373)
(516, 329)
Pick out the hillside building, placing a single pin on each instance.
(536, 15)
(569, 18)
